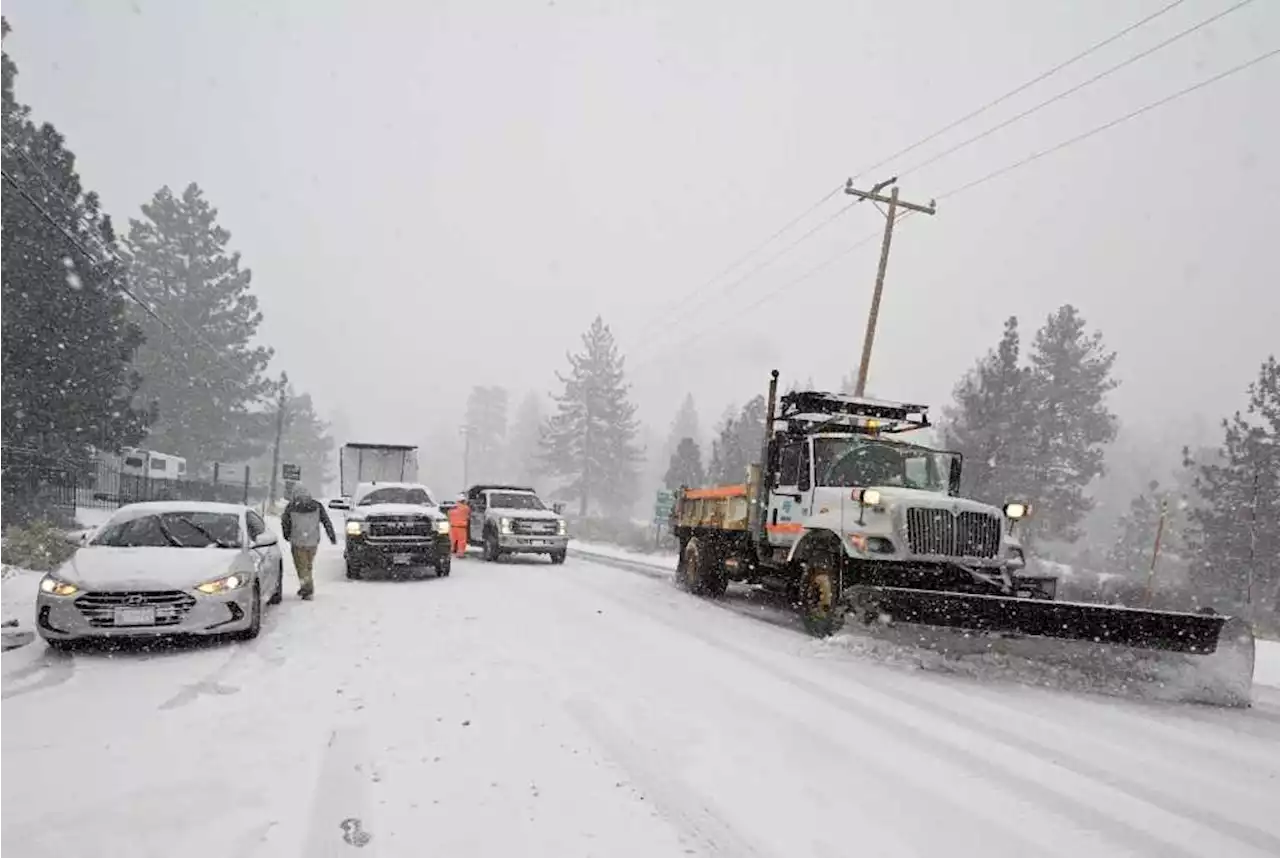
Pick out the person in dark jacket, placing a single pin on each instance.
(301, 523)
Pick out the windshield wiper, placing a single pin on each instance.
(204, 532)
(168, 534)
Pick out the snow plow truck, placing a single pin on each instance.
(854, 523)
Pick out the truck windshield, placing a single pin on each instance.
(513, 500)
(869, 462)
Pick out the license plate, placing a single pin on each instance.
(401, 559)
(135, 616)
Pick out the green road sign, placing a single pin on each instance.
(291, 473)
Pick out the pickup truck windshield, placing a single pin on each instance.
(396, 494)
(514, 500)
(868, 462)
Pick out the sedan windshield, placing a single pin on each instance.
(177, 529)
(514, 500)
(396, 494)
(866, 462)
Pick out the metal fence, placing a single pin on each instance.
(37, 485)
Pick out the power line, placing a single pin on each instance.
(741, 259)
(727, 287)
(1073, 90)
(1008, 168)
(1022, 87)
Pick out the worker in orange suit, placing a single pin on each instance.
(459, 522)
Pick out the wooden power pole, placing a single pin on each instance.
(282, 405)
(890, 216)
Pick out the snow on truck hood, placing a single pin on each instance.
(922, 498)
(144, 568)
(395, 509)
(506, 512)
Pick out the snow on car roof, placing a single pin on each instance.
(136, 510)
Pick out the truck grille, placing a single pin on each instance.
(941, 532)
(535, 527)
(170, 605)
(400, 527)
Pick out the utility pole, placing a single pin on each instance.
(1155, 552)
(890, 216)
(281, 405)
(465, 432)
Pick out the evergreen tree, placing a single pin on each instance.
(204, 375)
(739, 443)
(523, 444)
(1136, 532)
(685, 425)
(1067, 390)
(686, 466)
(67, 341)
(990, 423)
(486, 422)
(305, 442)
(1237, 520)
(590, 440)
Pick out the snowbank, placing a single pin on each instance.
(659, 560)
(1266, 669)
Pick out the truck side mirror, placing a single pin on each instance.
(557, 508)
(953, 479)
(805, 482)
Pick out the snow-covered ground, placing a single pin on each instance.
(520, 708)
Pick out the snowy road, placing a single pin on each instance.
(523, 709)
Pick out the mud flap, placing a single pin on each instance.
(1180, 656)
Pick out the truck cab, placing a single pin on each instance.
(394, 524)
(514, 520)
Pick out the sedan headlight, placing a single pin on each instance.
(57, 587)
(442, 526)
(224, 585)
(563, 527)
(355, 528)
(505, 526)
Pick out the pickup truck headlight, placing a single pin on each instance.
(355, 528)
(504, 525)
(563, 528)
(442, 526)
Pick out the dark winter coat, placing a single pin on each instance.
(302, 520)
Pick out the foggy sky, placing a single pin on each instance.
(436, 195)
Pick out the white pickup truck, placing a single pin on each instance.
(514, 520)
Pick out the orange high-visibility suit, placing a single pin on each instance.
(459, 522)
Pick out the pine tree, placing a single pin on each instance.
(67, 341)
(685, 468)
(590, 440)
(1067, 390)
(306, 442)
(990, 423)
(1237, 520)
(739, 443)
(523, 444)
(685, 425)
(486, 426)
(204, 375)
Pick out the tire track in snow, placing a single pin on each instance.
(1167, 838)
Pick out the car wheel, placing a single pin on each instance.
(491, 546)
(558, 557)
(278, 596)
(255, 615)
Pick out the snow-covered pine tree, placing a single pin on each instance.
(204, 375)
(486, 422)
(67, 340)
(685, 425)
(1068, 386)
(306, 442)
(522, 444)
(685, 468)
(590, 440)
(990, 423)
(1236, 523)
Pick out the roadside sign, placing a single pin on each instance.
(663, 505)
(291, 473)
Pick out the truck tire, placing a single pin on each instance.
(701, 571)
(558, 557)
(444, 567)
(819, 597)
(491, 550)
(354, 572)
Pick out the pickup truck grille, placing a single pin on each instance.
(170, 606)
(400, 527)
(940, 532)
(535, 527)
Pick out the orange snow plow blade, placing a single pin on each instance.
(1205, 658)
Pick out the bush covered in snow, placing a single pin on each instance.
(40, 545)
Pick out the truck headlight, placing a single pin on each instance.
(442, 526)
(563, 528)
(355, 528)
(504, 525)
(867, 497)
(57, 587)
(223, 585)
(1015, 511)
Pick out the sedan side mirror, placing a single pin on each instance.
(340, 503)
(266, 540)
(77, 537)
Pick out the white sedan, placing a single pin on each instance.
(171, 568)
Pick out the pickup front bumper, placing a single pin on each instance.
(521, 544)
(382, 553)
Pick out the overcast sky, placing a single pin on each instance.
(438, 194)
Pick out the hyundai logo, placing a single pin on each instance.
(134, 600)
